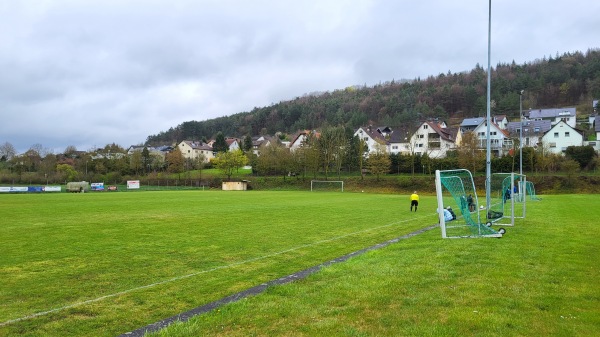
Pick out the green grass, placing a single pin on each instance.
(61, 250)
(541, 279)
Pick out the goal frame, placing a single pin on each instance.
(471, 218)
(516, 180)
(326, 181)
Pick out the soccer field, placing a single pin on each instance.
(106, 263)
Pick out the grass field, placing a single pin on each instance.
(101, 264)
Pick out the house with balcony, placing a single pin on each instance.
(500, 141)
(561, 136)
(433, 139)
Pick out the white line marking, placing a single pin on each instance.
(69, 306)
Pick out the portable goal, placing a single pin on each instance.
(456, 188)
(327, 185)
(530, 190)
(508, 198)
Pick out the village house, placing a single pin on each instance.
(195, 149)
(561, 136)
(533, 131)
(433, 139)
(555, 115)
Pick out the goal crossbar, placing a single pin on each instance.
(314, 183)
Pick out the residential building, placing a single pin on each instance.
(300, 138)
(500, 141)
(233, 143)
(432, 139)
(394, 141)
(561, 136)
(262, 141)
(533, 131)
(194, 149)
(501, 121)
(567, 115)
(470, 124)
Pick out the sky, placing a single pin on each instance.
(96, 72)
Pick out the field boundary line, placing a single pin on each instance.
(185, 316)
(178, 278)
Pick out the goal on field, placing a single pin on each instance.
(327, 185)
(508, 198)
(530, 190)
(456, 189)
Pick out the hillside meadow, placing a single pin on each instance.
(103, 264)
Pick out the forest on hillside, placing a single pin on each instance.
(571, 79)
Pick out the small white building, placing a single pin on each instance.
(561, 136)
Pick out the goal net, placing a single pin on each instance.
(530, 190)
(327, 185)
(507, 200)
(456, 189)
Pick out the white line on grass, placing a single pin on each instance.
(43, 313)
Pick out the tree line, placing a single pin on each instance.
(571, 79)
(332, 152)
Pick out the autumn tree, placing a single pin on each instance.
(230, 161)
(469, 155)
(332, 144)
(379, 162)
(175, 161)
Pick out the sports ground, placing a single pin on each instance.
(102, 264)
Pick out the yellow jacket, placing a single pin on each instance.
(414, 196)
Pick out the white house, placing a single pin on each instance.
(262, 141)
(233, 143)
(300, 138)
(192, 150)
(374, 137)
(432, 139)
(561, 136)
(395, 141)
(567, 115)
(501, 121)
(470, 124)
(500, 142)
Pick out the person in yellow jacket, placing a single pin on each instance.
(414, 201)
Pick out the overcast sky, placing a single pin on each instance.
(92, 72)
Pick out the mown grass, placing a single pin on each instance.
(541, 279)
(101, 264)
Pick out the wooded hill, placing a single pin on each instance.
(571, 79)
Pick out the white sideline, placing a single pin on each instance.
(73, 305)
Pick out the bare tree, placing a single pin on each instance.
(7, 151)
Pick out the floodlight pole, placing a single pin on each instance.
(488, 160)
(521, 133)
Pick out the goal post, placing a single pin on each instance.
(508, 198)
(455, 191)
(327, 185)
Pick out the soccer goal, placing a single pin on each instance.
(327, 185)
(456, 189)
(508, 198)
(530, 190)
